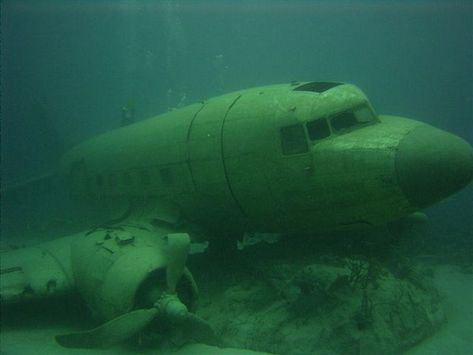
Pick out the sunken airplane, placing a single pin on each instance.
(290, 158)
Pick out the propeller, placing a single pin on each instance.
(168, 306)
(177, 251)
(112, 332)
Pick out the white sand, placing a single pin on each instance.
(456, 338)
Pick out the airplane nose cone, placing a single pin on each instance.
(432, 164)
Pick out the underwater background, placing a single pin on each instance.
(69, 67)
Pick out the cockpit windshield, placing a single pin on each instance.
(348, 120)
(340, 123)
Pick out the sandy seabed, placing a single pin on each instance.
(455, 338)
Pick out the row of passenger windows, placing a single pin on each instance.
(131, 178)
(135, 177)
(293, 138)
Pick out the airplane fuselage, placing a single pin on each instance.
(284, 158)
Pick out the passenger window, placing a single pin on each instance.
(99, 180)
(293, 140)
(127, 178)
(318, 129)
(145, 178)
(112, 180)
(166, 176)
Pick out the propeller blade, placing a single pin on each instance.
(178, 248)
(200, 330)
(112, 332)
(172, 309)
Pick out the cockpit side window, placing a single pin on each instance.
(318, 129)
(293, 140)
(364, 114)
(349, 119)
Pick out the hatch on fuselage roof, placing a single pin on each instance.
(317, 86)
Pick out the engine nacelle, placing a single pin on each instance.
(115, 269)
(120, 267)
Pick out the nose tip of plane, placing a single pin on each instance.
(432, 164)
